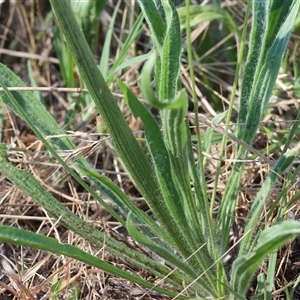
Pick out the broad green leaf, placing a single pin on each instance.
(161, 163)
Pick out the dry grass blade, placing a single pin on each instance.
(204, 119)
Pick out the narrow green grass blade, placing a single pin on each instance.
(233, 294)
(17, 236)
(200, 14)
(104, 61)
(270, 240)
(257, 207)
(128, 63)
(133, 35)
(271, 275)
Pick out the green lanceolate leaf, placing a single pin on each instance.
(172, 207)
(268, 63)
(168, 84)
(255, 55)
(161, 163)
(145, 83)
(155, 21)
(269, 240)
(26, 238)
(129, 152)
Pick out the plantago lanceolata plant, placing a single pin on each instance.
(191, 239)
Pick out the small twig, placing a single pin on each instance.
(29, 55)
(55, 89)
(46, 89)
